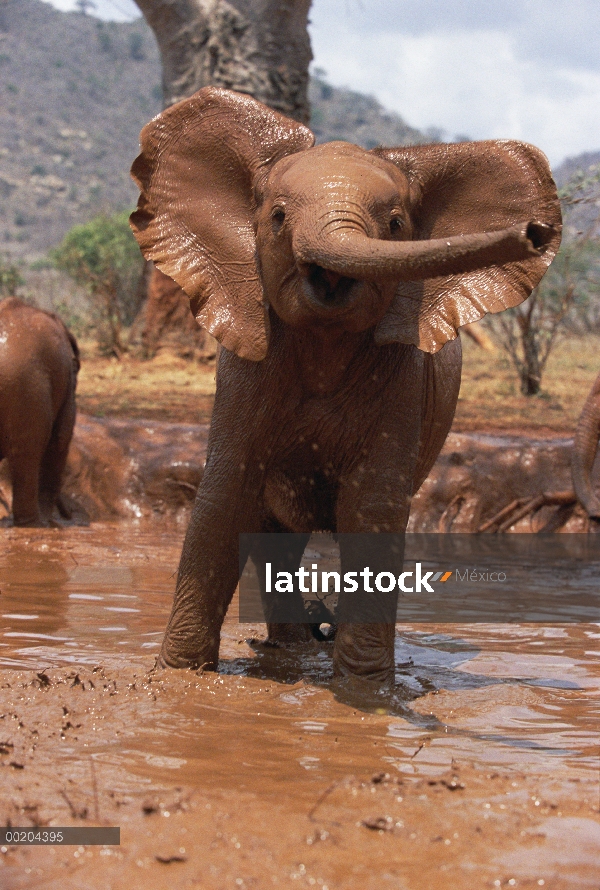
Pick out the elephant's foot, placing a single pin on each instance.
(166, 660)
(64, 507)
(29, 522)
(365, 651)
(192, 651)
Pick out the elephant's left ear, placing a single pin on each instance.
(195, 216)
(461, 189)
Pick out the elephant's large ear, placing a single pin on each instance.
(195, 216)
(461, 189)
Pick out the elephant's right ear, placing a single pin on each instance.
(463, 189)
(195, 216)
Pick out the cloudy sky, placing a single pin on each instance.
(522, 69)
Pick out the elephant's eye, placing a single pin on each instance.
(278, 217)
(396, 224)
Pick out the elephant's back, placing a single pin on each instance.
(35, 357)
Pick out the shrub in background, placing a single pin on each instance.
(103, 257)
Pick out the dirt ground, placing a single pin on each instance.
(182, 391)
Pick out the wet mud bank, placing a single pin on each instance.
(235, 781)
(476, 476)
(136, 469)
(129, 469)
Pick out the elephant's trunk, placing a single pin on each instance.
(349, 252)
(585, 447)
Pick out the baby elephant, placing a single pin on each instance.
(39, 361)
(335, 279)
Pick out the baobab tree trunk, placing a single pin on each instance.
(259, 47)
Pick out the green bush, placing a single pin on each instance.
(103, 257)
(10, 279)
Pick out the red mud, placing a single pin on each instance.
(132, 469)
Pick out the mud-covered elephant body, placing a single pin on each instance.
(336, 279)
(585, 449)
(39, 360)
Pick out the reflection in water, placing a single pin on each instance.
(22, 574)
(94, 591)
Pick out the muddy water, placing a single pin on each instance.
(482, 770)
(81, 596)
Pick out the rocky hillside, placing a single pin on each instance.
(571, 166)
(354, 117)
(584, 214)
(74, 94)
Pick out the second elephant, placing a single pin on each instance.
(585, 448)
(39, 361)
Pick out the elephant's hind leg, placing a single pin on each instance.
(284, 612)
(54, 462)
(25, 477)
(26, 431)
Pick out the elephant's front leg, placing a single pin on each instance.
(372, 513)
(376, 495)
(366, 617)
(209, 568)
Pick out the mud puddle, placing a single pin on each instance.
(482, 770)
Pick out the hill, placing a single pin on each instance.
(584, 215)
(570, 166)
(74, 95)
(344, 114)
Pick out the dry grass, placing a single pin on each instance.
(490, 398)
(165, 388)
(171, 388)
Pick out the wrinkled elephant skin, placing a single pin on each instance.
(585, 449)
(39, 360)
(335, 279)
(167, 320)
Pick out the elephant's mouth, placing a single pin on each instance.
(326, 289)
